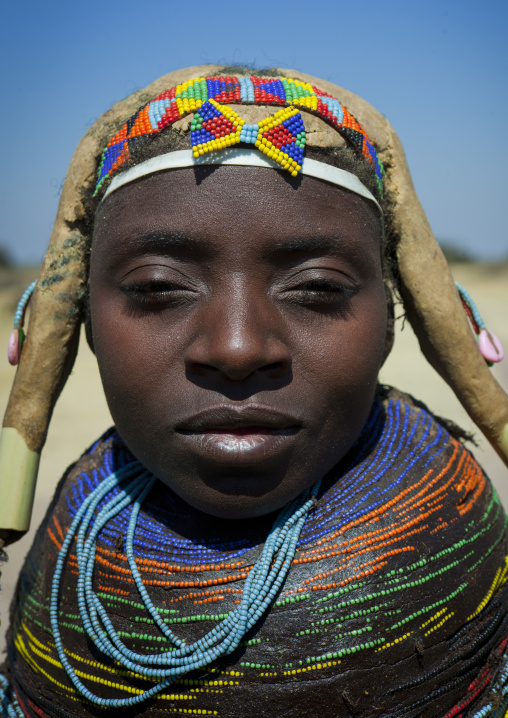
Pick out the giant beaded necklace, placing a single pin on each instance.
(130, 486)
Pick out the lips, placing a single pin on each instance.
(233, 435)
(237, 417)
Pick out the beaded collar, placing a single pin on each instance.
(216, 127)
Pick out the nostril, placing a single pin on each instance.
(275, 370)
(200, 369)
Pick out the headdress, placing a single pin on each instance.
(51, 345)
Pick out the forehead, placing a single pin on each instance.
(248, 205)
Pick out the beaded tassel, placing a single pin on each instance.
(489, 345)
(17, 335)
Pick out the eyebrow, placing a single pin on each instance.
(296, 245)
(168, 242)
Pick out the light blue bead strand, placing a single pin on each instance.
(22, 304)
(466, 297)
(9, 704)
(130, 486)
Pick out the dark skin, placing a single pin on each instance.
(239, 320)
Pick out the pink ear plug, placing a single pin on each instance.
(489, 345)
(15, 346)
(17, 335)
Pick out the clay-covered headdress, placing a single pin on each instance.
(216, 114)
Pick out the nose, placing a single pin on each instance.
(239, 336)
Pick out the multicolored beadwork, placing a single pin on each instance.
(281, 136)
(214, 127)
(263, 584)
(400, 576)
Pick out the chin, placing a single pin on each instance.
(237, 507)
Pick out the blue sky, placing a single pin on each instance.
(437, 70)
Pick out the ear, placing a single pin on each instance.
(87, 321)
(390, 324)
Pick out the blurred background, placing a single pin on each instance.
(437, 69)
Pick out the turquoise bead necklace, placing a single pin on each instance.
(130, 486)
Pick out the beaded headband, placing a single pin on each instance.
(216, 127)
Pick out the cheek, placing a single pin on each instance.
(348, 353)
(132, 359)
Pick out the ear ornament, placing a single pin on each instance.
(489, 345)
(17, 335)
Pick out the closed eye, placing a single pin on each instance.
(320, 291)
(157, 293)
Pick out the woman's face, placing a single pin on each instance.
(239, 321)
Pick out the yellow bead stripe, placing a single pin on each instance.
(434, 617)
(438, 625)
(500, 579)
(393, 643)
(315, 667)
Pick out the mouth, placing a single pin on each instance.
(239, 435)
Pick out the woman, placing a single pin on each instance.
(266, 530)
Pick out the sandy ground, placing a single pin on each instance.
(81, 414)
